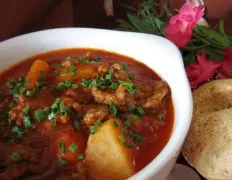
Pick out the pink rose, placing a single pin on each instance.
(202, 71)
(180, 27)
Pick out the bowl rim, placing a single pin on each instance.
(174, 143)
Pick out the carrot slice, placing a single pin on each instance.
(37, 67)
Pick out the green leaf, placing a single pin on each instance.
(221, 27)
(73, 147)
(95, 127)
(15, 156)
(61, 146)
(61, 161)
(112, 108)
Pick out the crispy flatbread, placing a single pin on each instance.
(208, 146)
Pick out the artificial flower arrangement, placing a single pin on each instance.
(207, 51)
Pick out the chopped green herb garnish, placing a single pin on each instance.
(161, 116)
(58, 108)
(124, 141)
(129, 86)
(112, 108)
(131, 107)
(61, 161)
(140, 110)
(81, 156)
(61, 146)
(18, 131)
(95, 127)
(114, 86)
(73, 147)
(66, 84)
(130, 121)
(135, 136)
(26, 118)
(40, 115)
(56, 73)
(69, 58)
(57, 66)
(86, 61)
(116, 123)
(15, 156)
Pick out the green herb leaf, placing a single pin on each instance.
(135, 136)
(124, 141)
(95, 127)
(116, 123)
(61, 161)
(131, 107)
(161, 117)
(61, 146)
(73, 147)
(18, 131)
(112, 108)
(129, 86)
(15, 156)
(140, 110)
(40, 115)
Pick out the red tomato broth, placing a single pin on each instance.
(145, 151)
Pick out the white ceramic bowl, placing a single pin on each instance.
(156, 52)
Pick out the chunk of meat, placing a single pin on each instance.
(119, 73)
(34, 152)
(80, 95)
(94, 114)
(71, 103)
(120, 97)
(161, 89)
(103, 69)
(114, 157)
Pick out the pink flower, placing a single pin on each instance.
(225, 70)
(202, 71)
(180, 26)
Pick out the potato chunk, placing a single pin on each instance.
(106, 157)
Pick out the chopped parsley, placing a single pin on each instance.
(131, 120)
(61, 146)
(57, 66)
(15, 156)
(129, 86)
(95, 127)
(86, 61)
(112, 108)
(124, 141)
(161, 117)
(71, 69)
(40, 115)
(131, 107)
(61, 161)
(26, 118)
(16, 86)
(135, 136)
(66, 84)
(18, 131)
(140, 110)
(81, 156)
(116, 123)
(73, 147)
(58, 108)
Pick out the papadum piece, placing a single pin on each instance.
(208, 146)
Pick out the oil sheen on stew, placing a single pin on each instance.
(81, 114)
